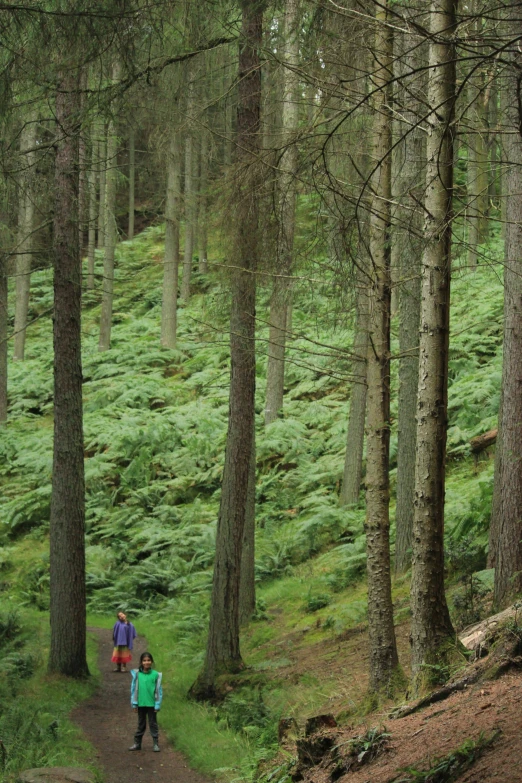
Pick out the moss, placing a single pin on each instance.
(439, 667)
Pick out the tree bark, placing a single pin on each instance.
(496, 504)
(102, 169)
(431, 629)
(67, 547)
(3, 338)
(247, 588)
(188, 248)
(477, 181)
(190, 191)
(351, 485)
(230, 95)
(111, 232)
(287, 173)
(203, 205)
(132, 177)
(508, 568)
(91, 245)
(409, 163)
(24, 246)
(171, 261)
(383, 648)
(82, 156)
(223, 652)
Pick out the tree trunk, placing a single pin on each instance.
(190, 191)
(247, 588)
(287, 172)
(496, 507)
(82, 157)
(3, 338)
(492, 122)
(409, 313)
(431, 631)
(383, 649)
(410, 170)
(171, 262)
(223, 653)
(203, 205)
(508, 569)
(478, 185)
(102, 169)
(132, 176)
(91, 246)
(230, 93)
(188, 248)
(352, 473)
(24, 235)
(275, 371)
(111, 233)
(472, 210)
(67, 547)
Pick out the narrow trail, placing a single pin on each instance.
(109, 724)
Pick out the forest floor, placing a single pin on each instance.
(109, 723)
(437, 731)
(416, 741)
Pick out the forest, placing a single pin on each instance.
(260, 314)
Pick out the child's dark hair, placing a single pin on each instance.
(145, 655)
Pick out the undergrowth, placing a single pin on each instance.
(449, 768)
(155, 428)
(35, 729)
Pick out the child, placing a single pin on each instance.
(123, 635)
(146, 696)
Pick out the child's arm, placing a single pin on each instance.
(159, 693)
(133, 690)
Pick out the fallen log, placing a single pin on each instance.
(474, 636)
(480, 443)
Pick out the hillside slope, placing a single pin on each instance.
(155, 426)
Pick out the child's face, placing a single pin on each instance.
(122, 617)
(146, 664)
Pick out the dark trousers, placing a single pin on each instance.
(143, 712)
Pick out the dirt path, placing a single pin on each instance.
(109, 724)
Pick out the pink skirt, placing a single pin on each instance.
(121, 654)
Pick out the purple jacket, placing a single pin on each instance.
(123, 634)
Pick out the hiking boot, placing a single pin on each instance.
(136, 746)
(156, 747)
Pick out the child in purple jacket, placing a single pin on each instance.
(123, 635)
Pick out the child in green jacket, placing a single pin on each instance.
(146, 696)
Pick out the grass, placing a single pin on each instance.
(35, 726)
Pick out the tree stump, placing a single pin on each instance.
(319, 722)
